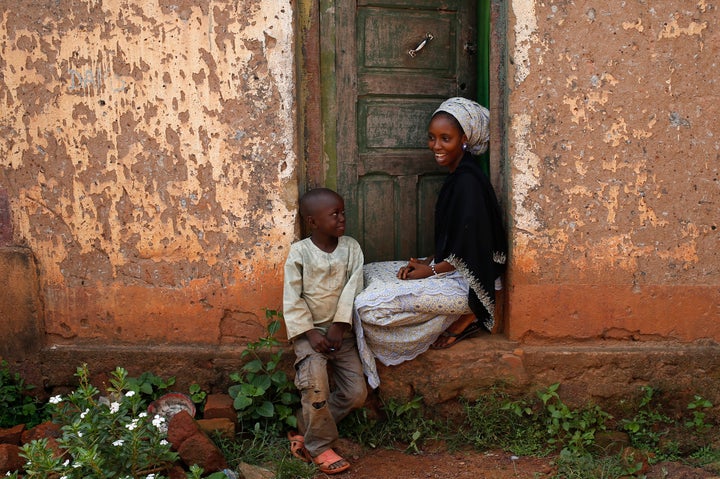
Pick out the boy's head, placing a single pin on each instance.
(324, 210)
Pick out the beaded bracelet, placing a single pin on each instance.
(432, 267)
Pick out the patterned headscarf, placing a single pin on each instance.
(474, 120)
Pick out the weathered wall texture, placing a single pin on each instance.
(148, 155)
(613, 159)
(148, 176)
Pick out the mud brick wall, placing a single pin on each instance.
(612, 145)
(149, 167)
(148, 154)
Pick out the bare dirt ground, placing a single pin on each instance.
(392, 464)
(444, 465)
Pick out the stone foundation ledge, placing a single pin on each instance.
(603, 372)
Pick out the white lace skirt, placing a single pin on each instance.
(397, 320)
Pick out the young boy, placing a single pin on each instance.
(323, 274)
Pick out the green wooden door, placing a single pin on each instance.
(395, 62)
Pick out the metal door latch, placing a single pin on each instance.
(421, 45)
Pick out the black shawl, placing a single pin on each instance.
(469, 234)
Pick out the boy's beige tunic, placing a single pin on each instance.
(320, 287)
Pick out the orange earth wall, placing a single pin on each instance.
(148, 162)
(612, 148)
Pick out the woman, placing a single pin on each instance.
(440, 300)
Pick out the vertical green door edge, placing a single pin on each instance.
(483, 41)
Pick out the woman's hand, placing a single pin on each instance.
(415, 269)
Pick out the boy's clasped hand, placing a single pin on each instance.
(330, 343)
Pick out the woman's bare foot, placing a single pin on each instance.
(453, 333)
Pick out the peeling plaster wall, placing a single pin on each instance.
(148, 158)
(148, 153)
(613, 163)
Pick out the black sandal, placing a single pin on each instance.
(471, 329)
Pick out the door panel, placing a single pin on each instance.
(386, 35)
(377, 207)
(392, 135)
(385, 98)
(428, 188)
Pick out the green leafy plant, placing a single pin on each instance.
(404, 423)
(110, 436)
(648, 425)
(17, 405)
(698, 406)
(359, 426)
(149, 385)
(197, 394)
(575, 429)
(195, 472)
(262, 392)
(532, 427)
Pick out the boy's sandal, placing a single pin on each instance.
(330, 463)
(297, 446)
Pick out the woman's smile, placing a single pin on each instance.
(442, 159)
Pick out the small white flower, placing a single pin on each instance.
(76, 465)
(163, 442)
(84, 413)
(130, 394)
(150, 476)
(66, 463)
(79, 433)
(63, 477)
(118, 443)
(132, 425)
(142, 414)
(158, 421)
(114, 407)
(55, 399)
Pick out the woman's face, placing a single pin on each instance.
(446, 140)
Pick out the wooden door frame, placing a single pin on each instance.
(317, 93)
(317, 88)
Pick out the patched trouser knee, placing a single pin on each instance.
(311, 378)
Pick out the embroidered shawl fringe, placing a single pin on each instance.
(477, 287)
